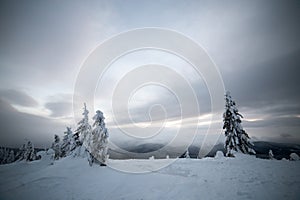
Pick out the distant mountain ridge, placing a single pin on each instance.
(280, 150)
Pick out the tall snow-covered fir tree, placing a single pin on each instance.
(99, 142)
(84, 128)
(236, 137)
(67, 143)
(82, 134)
(56, 147)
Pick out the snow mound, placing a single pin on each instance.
(50, 152)
(219, 155)
(294, 157)
(41, 153)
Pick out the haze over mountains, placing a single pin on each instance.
(146, 150)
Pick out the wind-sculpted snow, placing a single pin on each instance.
(243, 177)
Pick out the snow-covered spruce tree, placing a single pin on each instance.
(77, 142)
(29, 154)
(11, 157)
(21, 152)
(187, 153)
(4, 153)
(271, 155)
(82, 134)
(67, 143)
(1, 155)
(56, 147)
(236, 137)
(99, 142)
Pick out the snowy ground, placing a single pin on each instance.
(224, 178)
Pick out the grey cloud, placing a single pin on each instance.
(285, 135)
(59, 109)
(272, 83)
(59, 104)
(41, 43)
(18, 97)
(271, 110)
(60, 97)
(175, 108)
(288, 108)
(16, 126)
(254, 43)
(287, 122)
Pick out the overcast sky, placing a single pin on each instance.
(255, 45)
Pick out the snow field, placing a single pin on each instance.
(243, 177)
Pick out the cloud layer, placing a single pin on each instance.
(255, 45)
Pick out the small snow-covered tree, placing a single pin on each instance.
(29, 154)
(21, 152)
(151, 158)
(67, 143)
(236, 137)
(56, 147)
(99, 142)
(187, 153)
(1, 155)
(4, 154)
(271, 155)
(11, 157)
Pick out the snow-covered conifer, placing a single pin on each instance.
(76, 139)
(56, 147)
(1, 155)
(271, 155)
(67, 143)
(236, 137)
(11, 157)
(29, 154)
(99, 142)
(4, 154)
(21, 152)
(82, 135)
(187, 153)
